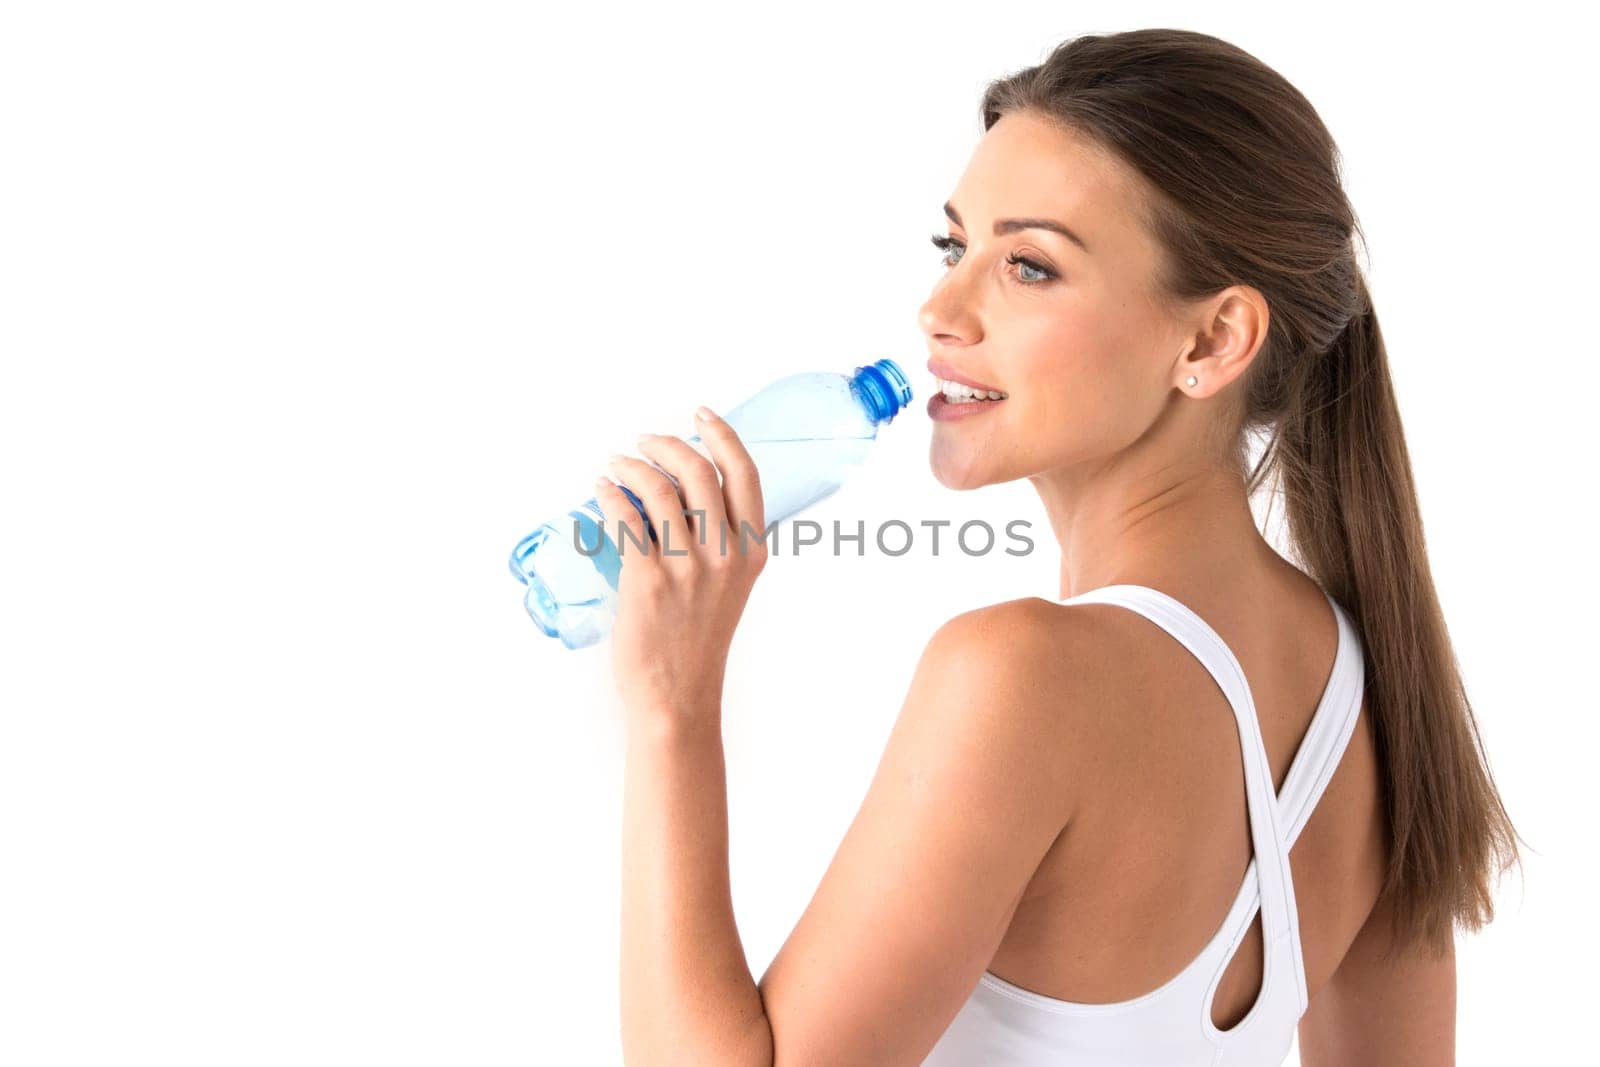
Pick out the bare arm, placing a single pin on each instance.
(1378, 1012)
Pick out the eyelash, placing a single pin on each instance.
(944, 244)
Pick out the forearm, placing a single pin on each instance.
(687, 992)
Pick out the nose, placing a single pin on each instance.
(944, 315)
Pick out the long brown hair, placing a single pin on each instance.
(1244, 188)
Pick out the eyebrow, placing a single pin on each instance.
(1004, 226)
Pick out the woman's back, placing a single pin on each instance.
(1151, 872)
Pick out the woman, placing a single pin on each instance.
(1090, 840)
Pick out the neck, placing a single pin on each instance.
(1157, 520)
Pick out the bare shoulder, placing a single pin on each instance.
(969, 797)
(1080, 651)
(1018, 712)
(1026, 624)
(1029, 638)
(1030, 671)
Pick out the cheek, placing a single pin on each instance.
(1088, 384)
(1076, 363)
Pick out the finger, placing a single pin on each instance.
(632, 538)
(662, 504)
(696, 476)
(741, 482)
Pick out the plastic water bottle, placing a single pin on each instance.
(805, 432)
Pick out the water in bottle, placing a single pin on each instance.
(805, 432)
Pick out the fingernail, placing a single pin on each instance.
(602, 482)
(704, 414)
(616, 457)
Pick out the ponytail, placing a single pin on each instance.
(1351, 509)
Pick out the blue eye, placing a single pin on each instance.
(948, 245)
(945, 244)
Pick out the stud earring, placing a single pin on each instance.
(1191, 380)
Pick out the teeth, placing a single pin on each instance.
(958, 393)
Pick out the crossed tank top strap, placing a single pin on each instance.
(1328, 736)
(1271, 850)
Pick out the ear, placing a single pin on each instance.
(1232, 329)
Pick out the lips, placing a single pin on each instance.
(940, 369)
(942, 409)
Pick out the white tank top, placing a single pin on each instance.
(1004, 1025)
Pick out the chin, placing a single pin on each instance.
(957, 470)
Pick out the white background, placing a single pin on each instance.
(310, 310)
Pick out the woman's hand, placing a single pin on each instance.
(680, 598)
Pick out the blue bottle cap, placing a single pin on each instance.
(883, 387)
